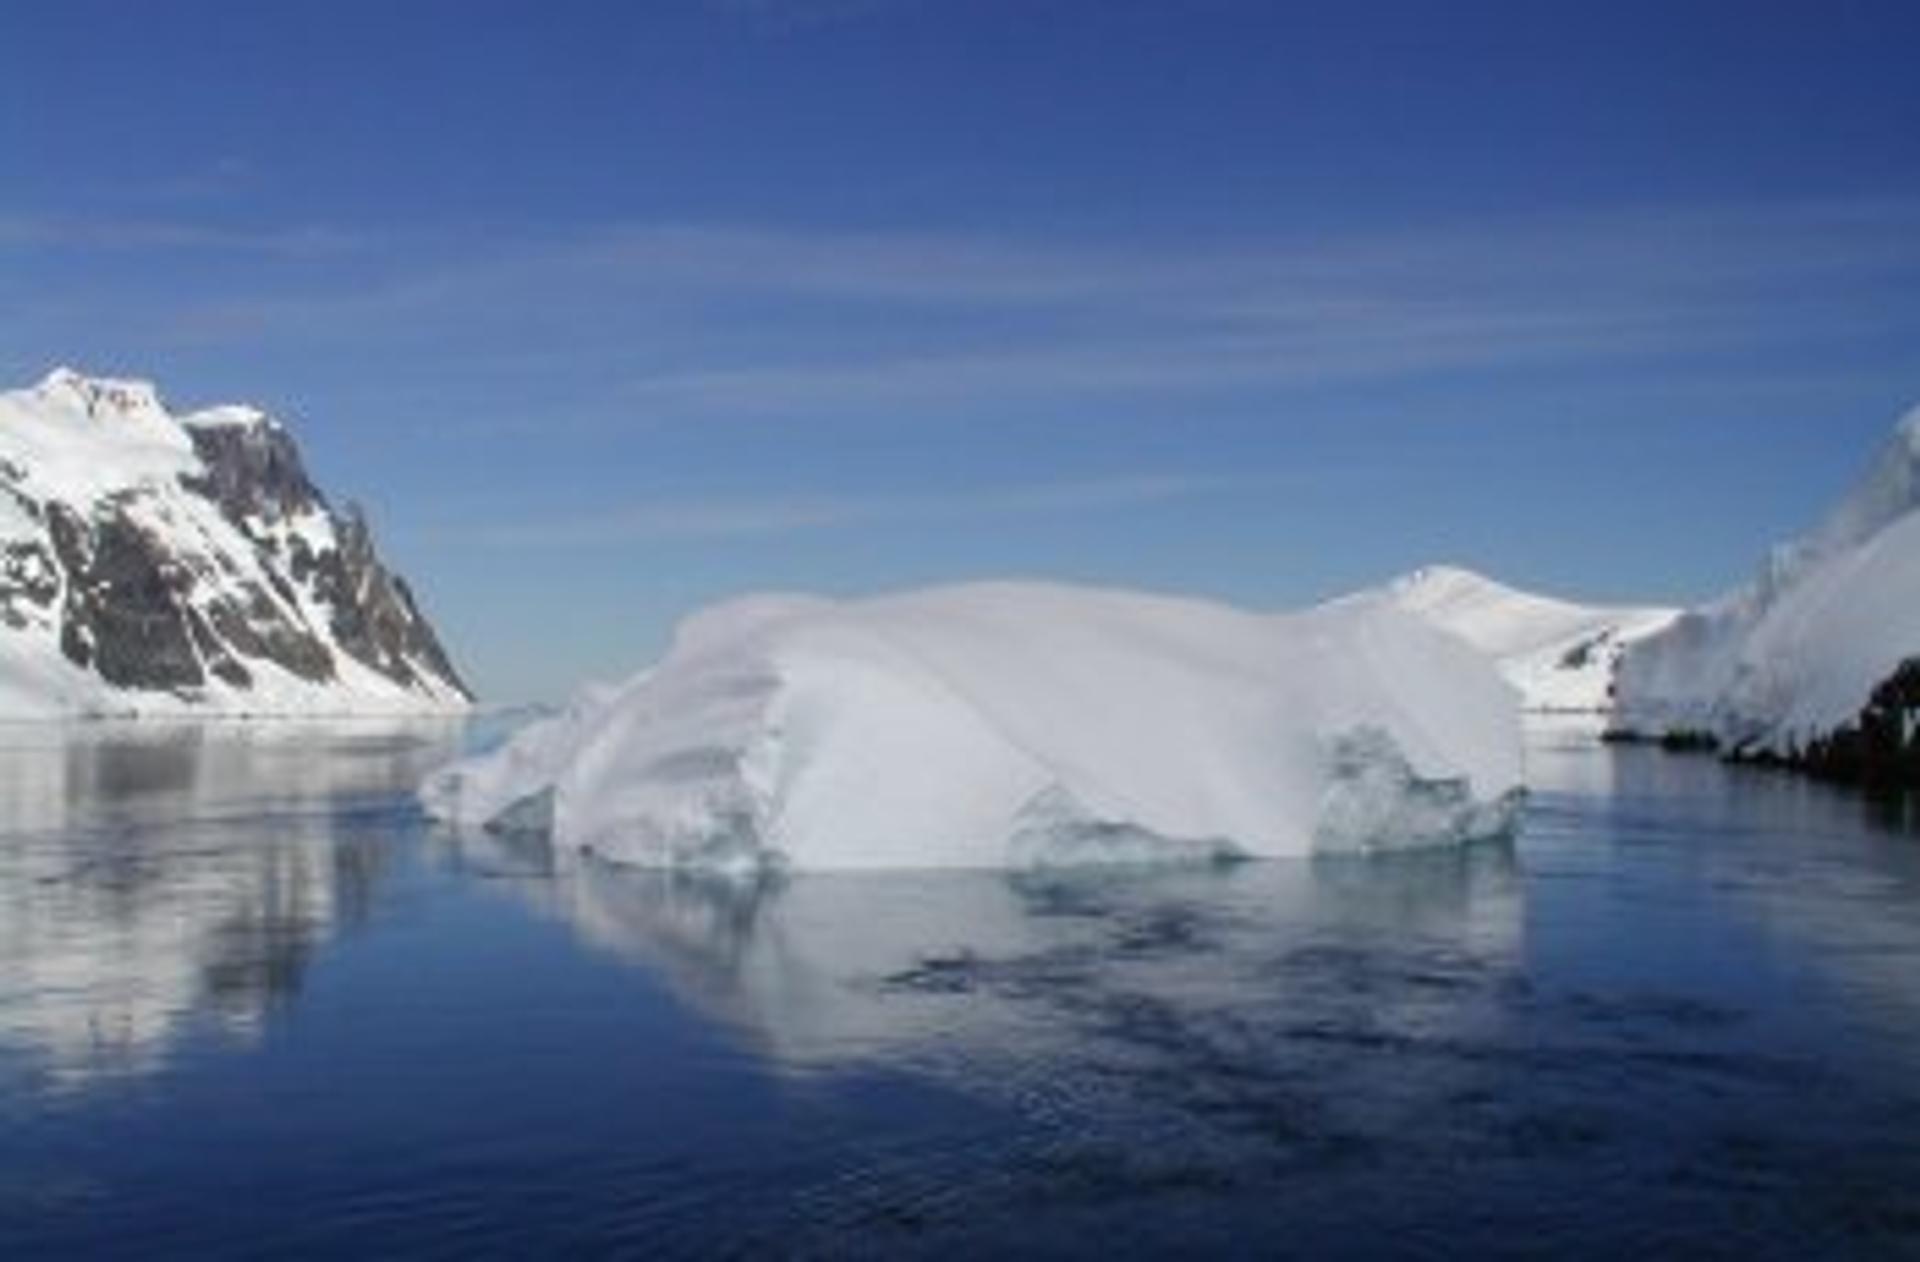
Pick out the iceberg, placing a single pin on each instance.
(1812, 648)
(1013, 725)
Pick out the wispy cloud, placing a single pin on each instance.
(702, 320)
(737, 518)
(151, 235)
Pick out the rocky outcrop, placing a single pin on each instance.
(374, 615)
(252, 469)
(152, 563)
(1880, 747)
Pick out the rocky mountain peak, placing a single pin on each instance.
(159, 564)
(252, 469)
(102, 397)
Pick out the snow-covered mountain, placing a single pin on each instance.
(1560, 655)
(161, 564)
(1816, 661)
(1015, 725)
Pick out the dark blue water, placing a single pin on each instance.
(252, 1005)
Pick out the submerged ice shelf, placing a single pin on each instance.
(1014, 725)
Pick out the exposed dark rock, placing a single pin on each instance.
(125, 599)
(260, 629)
(29, 576)
(1581, 655)
(1880, 748)
(1679, 741)
(215, 652)
(252, 471)
(143, 586)
(374, 615)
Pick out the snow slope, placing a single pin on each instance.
(1796, 654)
(1560, 655)
(154, 564)
(998, 725)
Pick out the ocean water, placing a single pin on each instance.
(253, 1004)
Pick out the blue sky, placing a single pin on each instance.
(609, 309)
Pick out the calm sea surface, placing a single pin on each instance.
(252, 1004)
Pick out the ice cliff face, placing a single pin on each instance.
(1015, 726)
(154, 564)
(1817, 661)
(1561, 656)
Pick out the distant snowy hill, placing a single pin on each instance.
(1561, 656)
(1014, 725)
(160, 564)
(1818, 658)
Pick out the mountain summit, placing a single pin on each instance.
(160, 564)
(1560, 655)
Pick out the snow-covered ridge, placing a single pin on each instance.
(160, 564)
(1560, 655)
(1778, 667)
(1015, 725)
(228, 416)
(103, 397)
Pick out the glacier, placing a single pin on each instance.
(1781, 665)
(1013, 725)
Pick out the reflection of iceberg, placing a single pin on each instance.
(1015, 725)
(158, 880)
(986, 978)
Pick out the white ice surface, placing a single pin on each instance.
(1010, 724)
(1796, 653)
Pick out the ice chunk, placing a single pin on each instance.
(1376, 800)
(998, 725)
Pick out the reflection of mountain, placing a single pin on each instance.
(156, 882)
(1034, 984)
